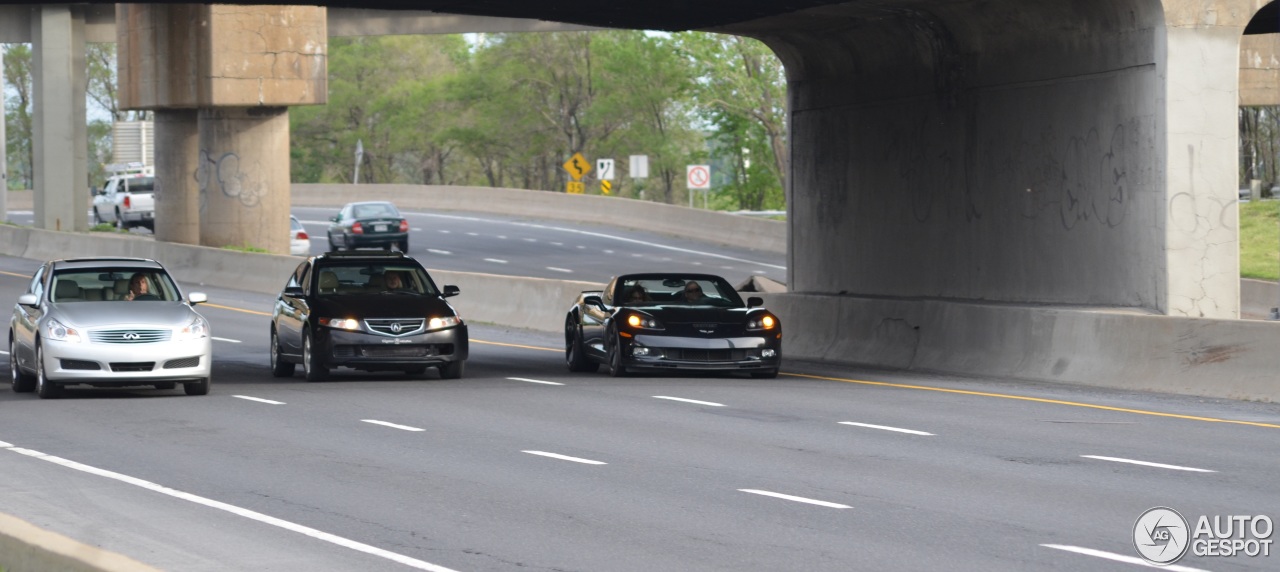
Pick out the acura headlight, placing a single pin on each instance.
(643, 322)
(56, 330)
(198, 328)
(765, 322)
(441, 323)
(341, 323)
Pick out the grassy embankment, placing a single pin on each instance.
(1260, 240)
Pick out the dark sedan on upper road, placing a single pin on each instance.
(368, 224)
(671, 322)
(370, 311)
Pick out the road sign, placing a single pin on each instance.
(577, 166)
(604, 169)
(575, 187)
(699, 176)
(606, 186)
(639, 167)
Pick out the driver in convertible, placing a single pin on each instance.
(693, 293)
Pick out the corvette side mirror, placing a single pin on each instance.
(594, 301)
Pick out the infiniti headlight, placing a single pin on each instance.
(56, 330)
(441, 323)
(198, 328)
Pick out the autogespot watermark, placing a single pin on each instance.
(1162, 535)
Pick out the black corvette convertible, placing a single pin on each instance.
(671, 322)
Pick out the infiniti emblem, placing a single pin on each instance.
(130, 336)
(395, 327)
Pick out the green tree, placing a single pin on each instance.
(18, 121)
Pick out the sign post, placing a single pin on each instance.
(697, 177)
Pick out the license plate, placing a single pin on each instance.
(379, 228)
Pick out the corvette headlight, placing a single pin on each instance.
(56, 330)
(341, 323)
(198, 328)
(643, 322)
(765, 322)
(441, 323)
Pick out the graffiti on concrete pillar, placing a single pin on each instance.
(225, 175)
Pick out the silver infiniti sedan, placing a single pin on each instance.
(107, 322)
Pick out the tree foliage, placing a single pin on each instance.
(509, 109)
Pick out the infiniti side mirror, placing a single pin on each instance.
(754, 301)
(450, 290)
(29, 300)
(198, 298)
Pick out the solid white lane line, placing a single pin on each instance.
(229, 340)
(495, 260)
(885, 427)
(554, 269)
(1119, 557)
(259, 399)
(1148, 464)
(565, 457)
(694, 401)
(534, 381)
(4, 445)
(253, 515)
(392, 425)
(795, 498)
(434, 251)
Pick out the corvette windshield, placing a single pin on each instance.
(677, 290)
(340, 279)
(113, 285)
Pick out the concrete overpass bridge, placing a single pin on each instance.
(955, 165)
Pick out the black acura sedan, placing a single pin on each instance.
(370, 311)
(671, 322)
(368, 224)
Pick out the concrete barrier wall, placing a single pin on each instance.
(533, 303)
(1234, 359)
(711, 226)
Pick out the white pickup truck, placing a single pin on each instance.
(127, 198)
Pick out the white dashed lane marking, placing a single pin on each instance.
(495, 260)
(1118, 557)
(534, 381)
(259, 399)
(392, 425)
(228, 340)
(554, 269)
(693, 401)
(565, 457)
(1147, 464)
(795, 498)
(885, 428)
(435, 251)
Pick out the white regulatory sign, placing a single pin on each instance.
(699, 176)
(639, 167)
(604, 169)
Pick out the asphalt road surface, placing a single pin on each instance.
(521, 465)
(511, 246)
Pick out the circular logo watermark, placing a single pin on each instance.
(1161, 535)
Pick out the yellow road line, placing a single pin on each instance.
(14, 274)
(254, 312)
(516, 346)
(1038, 400)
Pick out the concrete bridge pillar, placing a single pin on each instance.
(60, 138)
(239, 67)
(178, 195)
(243, 177)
